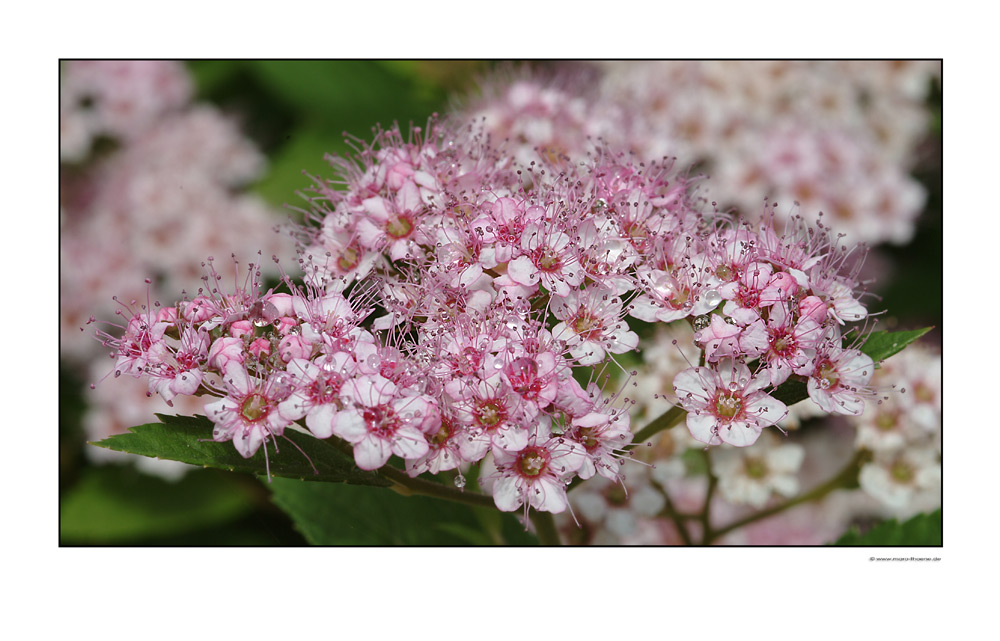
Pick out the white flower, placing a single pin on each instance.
(750, 475)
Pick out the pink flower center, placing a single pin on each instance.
(587, 326)
(468, 360)
(381, 420)
(399, 226)
(490, 413)
(254, 408)
(827, 375)
(755, 468)
(523, 376)
(885, 421)
(749, 298)
(923, 393)
(547, 259)
(510, 233)
(187, 361)
(442, 434)
(349, 259)
(901, 472)
(728, 405)
(326, 389)
(588, 437)
(533, 461)
(638, 235)
(782, 343)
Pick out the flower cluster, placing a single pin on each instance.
(150, 184)
(834, 136)
(903, 431)
(461, 307)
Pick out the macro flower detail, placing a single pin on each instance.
(726, 404)
(248, 415)
(533, 290)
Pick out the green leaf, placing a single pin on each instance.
(347, 95)
(336, 514)
(791, 392)
(187, 439)
(882, 345)
(303, 152)
(119, 504)
(923, 529)
(210, 74)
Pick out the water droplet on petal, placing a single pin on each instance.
(713, 297)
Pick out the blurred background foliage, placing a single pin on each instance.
(296, 112)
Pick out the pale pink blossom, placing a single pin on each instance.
(726, 404)
(380, 421)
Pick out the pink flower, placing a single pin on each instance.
(532, 376)
(840, 379)
(592, 323)
(549, 258)
(380, 421)
(249, 414)
(602, 436)
(316, 391)
(489, 408)
(180, 372)
(743, 333)
(537, 474)
(504, 226)
(790, 345)
(137, 348)
(449, 447)
(393, 226)
(749, 290)
(727, 404)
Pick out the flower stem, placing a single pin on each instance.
(405, 485)
(664, 421)
(545, 528)
(670, 511)
(846, 477)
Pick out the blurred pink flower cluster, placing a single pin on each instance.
(838, 137)
(151, 183)
(900, 436)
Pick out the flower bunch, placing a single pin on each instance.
(834, 136)
(460, 306)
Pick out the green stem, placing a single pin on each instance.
(664, 421)
(545, 528)
(406, 485)
(846, 477)
(670, 511)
